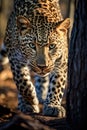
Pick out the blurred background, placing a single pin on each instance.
(8, 92)
(5, 10)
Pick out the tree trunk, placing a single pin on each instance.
(77, 71)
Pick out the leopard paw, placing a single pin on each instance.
(50, 110)
(35, 109)
(29, 108)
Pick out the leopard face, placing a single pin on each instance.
(42, 44)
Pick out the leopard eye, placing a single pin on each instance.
(52, 46)
(32, 45)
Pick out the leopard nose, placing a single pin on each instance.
(41, 66)
(42, 63)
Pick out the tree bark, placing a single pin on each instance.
(77, 69)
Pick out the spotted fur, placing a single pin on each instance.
(36, 40)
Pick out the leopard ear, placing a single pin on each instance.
(23, 23)
(64, 25)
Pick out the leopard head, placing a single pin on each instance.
(42, 43)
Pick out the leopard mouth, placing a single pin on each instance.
(41, 71)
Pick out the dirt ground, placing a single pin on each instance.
(11, 118)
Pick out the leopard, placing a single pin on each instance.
(36, 42)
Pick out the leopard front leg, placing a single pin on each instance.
(52, 105)
(41, 84)
(27, 99)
